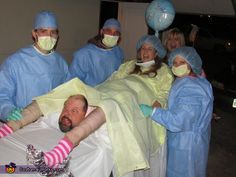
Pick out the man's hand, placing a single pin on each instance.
(147, 110)
(5, 130)
(156, 104)
(15, 114)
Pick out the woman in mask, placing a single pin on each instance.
(150, 53)
(187, 117)
(33, 70)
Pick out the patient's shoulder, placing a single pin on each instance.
(129, 63)
(90, 109)
(124, 70)
(165, 69)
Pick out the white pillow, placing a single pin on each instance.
(52, 120)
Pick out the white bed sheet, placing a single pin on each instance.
(92, 158)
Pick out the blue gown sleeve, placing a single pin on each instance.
(185, 109)
(66, 71)
(7, 89)
(78, 67)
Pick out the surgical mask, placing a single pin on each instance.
(46, 42)
(109, 40)
(181, 70)
(146, 64)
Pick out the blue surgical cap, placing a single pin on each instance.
(190, 55)
(155, 42)
(45, 19)
(112, 23)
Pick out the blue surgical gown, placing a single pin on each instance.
(187, 120)
(27, 74)
(93, 65)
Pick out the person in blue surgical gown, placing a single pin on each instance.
(188, 116)
(32, 71)
(100, 57)
(142, 80)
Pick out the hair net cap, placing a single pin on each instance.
(112, 23)
(190, 55)
(45, 19)
(155, 42)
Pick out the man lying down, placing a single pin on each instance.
(95, 149)
(132, 136)
(134, 139)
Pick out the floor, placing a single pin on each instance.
(222, 155)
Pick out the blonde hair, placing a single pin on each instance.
(173, 32)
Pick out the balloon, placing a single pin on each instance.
(159, 15)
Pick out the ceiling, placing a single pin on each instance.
(211, 7)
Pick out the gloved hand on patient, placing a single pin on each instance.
(15, 114)
(146, 109)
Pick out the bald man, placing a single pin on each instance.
(74, 111)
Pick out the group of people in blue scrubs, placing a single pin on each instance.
(37, 69)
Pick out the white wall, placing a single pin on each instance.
(132, 19)
(78, 20)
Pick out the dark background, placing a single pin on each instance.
(219, 63)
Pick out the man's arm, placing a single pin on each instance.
(72, 138)
(29, 114)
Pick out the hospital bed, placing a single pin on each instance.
(92, 158)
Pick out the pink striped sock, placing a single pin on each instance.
(58, 153)
(5, 130)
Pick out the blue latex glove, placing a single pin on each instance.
(147, 110)
(15, 114)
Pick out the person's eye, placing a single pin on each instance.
(41, 31)
(75, 111)
(142, 48)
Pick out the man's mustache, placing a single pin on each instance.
(67, 118)
(65, 127)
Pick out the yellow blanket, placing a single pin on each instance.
(132, 135)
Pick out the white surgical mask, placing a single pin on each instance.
(46, 42)
(109, 40)
(181, 70)
(146, 64)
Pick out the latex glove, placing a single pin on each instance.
(5, 130)
(58, 153)
(147, 110)
(15, 114)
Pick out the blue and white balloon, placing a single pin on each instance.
(159, 15)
